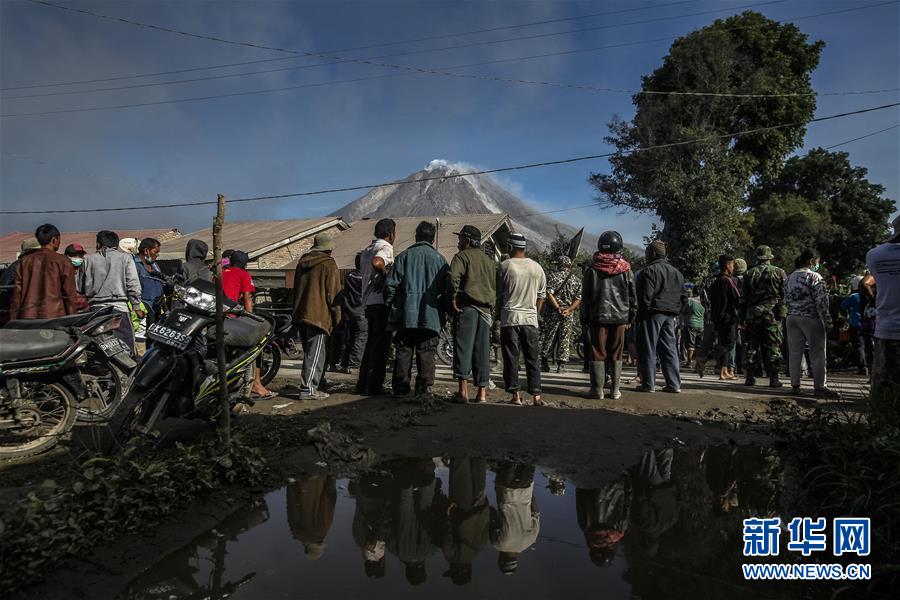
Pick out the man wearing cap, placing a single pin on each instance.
(883, 263)
(516, 522)
(44, 281)
(317, 310)
(375, 265)
(521, 289)
(473, 293)
(764, 313)
(660, 298)
(415, 298)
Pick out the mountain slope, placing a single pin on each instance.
(473, 194)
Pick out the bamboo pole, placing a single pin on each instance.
(224, 404)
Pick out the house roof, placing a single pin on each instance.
(253, 237)
(348, 243)
(10, 244)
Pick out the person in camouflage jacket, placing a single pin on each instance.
(558, 326)
(763, 317)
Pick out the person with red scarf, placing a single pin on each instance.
(608, 293)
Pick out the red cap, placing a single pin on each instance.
(74, 249)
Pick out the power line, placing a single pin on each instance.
(455, 175)
(862, 137)
(445, 71)
(353, 49)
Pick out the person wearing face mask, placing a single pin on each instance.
(808, 322)
(75, 253)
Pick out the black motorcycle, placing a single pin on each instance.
(53, 371)
(178, 376)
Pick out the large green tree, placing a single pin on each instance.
(820, 200)
(698, 190)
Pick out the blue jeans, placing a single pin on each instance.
(656, 334)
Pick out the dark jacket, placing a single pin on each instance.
(660, 289)
(724, 301)
(414, 289)
(317, 291)
(351, 298)
(608, 293)
(152, 282)
(194, 266)
(473, 278)
(45, 287)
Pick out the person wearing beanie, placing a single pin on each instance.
(883, 273)
(521, 289)
(610, 300)
(660, 298)
(764, 312)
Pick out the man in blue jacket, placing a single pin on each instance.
(414, 295)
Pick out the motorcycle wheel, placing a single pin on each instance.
(106, 387)
(51, 412)
(445, 349)
(269, 363)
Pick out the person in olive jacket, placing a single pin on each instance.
(660, 296)
(414, 294)
(608, 294)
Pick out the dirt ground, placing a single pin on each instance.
(586, 441)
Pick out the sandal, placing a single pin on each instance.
(266, 396)
(537, 401)
(516, 400)
(459, 398)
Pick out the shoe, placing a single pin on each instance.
(560, 368)
(827, 393)
(491, 385)
(545, 365)
(795, 389)
(774, 382)
(751, 379)
(317, 395)
(400, 394)
(671, 390)
(644, 388)
(700, 367)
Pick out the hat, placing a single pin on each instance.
(764, 253)
(471, 232)
(516, 240)
(30, 244)
(658, 247)
(896, 237)
(508, 565)
(73, 249)
(129, 245)
(322, 242)
(740, 266)
(239, 259)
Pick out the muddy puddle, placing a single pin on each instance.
(668, 527)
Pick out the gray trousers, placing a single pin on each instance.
(656, 334)
(315, 351)
(806, 330)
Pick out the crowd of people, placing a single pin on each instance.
(395, 308)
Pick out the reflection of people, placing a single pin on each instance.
(468, 517)
(603, 517)
(412, 516)
(655, 505)
(516, 522)
(310, 512)
(371, 521)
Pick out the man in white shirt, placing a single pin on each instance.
(521, 289)
(375, 264)
(883, 281)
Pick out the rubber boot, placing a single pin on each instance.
(774, 382)
(614, 392)
(598, 378)
(751, 373)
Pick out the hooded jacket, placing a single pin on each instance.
(317, 291)
(608, 291)
(194, 266)
(414, 289)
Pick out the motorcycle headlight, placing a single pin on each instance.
(197, 299)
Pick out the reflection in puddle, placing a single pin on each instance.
(670, 526)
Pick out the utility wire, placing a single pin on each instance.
(444, 71)
(339, 60)
(862, 137)
(353, 49)
(455, 175)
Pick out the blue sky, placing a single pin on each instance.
(358, 133)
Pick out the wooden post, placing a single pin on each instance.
(224, 404)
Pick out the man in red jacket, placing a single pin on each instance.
(44, 280)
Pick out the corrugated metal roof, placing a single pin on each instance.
(250, 236)
(349, 242)
(11, 242)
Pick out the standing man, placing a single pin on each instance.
(355, 328)
(194, 265)
(414, 294)
(884, 271)
(375, 264)
(473, 292)
(109, 278)
(44, 281)
(691, 323)
(763, 317)
(317, 310)
(521, 289)
(152, 288)
(8, 277)
(564, 297)
(516, 522)
(660, 298)
(724, 303)
(610, 298)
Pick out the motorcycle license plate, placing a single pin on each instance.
(169, 337)
(112, 346)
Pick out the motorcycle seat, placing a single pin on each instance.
(76, 320)
(244, 332)
(17, 345)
